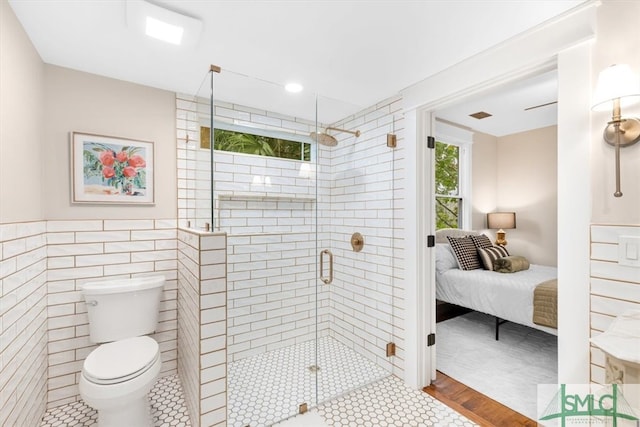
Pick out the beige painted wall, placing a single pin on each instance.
(77, 101)
(519, 173)
(528, 185)
(484, 179)
(618, 42)
(21, 117)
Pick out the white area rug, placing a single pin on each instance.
(507, 370)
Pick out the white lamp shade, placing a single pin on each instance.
(616, 81)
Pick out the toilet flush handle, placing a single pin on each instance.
(92, 303)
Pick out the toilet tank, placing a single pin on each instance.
(123, 308)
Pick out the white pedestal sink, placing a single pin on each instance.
(621, 345)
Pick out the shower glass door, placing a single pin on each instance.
(264, 196)
(308, 318)
(357, 293)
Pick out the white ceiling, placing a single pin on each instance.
(510, 107)
(352, 52)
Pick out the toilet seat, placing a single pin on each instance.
(120, 361)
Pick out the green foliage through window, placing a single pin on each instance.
(240, 142)
(448, 200)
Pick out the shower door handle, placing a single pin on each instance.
(326, 280)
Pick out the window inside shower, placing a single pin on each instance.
(258, 143)
(294, 341)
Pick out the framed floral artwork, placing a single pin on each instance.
(107, 169)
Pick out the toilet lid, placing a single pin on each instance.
(120, 360)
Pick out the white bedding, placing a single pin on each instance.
(508, 296)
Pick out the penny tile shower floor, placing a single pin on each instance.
(268, 387)
(262, 388)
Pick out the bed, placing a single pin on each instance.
(507, 296)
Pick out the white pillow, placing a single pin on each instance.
(445, 259)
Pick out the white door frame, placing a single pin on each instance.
(539, 49)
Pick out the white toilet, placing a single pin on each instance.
(118, 375)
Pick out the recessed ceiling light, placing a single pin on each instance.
(163, 31)
(293, 87)
(163, 24)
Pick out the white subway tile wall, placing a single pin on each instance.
(615, 288)
(82, 251)
(189, 320)
(238, 174)
(367, 196)
(267, 205)
(272, 293)
(202, 290)
(23, 323)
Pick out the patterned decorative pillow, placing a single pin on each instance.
(481, 241)
(490, 255)
(465, 252)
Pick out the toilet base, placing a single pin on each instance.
(135, 413)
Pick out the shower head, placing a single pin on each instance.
(325, 139)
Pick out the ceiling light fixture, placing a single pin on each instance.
(293, 87)
(163, 31)
(162, 24)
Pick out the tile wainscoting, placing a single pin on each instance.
(82, 251)
(23, 322)
(44, 324)
(615, 288)
(202, 325)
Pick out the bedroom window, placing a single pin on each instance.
(452, 177)
(448, 200)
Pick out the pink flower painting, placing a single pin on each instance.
(120, 170)
(110, 169)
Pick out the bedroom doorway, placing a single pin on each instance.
(564, 43)
(467, 349)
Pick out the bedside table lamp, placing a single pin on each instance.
(500, 221)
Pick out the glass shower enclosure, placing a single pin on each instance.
(283, 174)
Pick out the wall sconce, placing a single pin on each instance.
(500, 221)
(618, 86)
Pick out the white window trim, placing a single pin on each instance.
(463, 138)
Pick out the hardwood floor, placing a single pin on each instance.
(474, 405)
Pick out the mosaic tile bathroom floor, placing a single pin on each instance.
(167, 403)
(385, 401)
(389, 402)
(267, 388)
